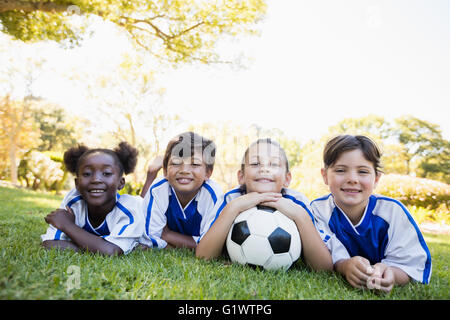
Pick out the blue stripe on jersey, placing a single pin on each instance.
(301, 204)
(427, 270)
(129, 215)
(323, 198)
(224, 203)
(71, 202)
(149, 212)
(58, 234)
(211, 191)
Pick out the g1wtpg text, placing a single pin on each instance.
(226, 309)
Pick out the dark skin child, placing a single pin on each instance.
(98, 179)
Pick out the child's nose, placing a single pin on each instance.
(352, 177)
(264, 167)
(185, 166)
(97, 176)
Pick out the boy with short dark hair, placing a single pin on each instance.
(178, 208)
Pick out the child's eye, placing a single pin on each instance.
(86, 174)
(339, 170)
(175, 162)
(107, 173)
(253, 164)
(274, 164)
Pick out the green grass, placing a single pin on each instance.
(27, 271)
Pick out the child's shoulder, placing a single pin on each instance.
(388, 201)
(213, 186)
(233, 194)
(323, 206)
(297, 195)
(129, 199)
(387, 207)
(71, 197)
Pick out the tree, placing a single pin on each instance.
(374, 126)
(174, 31)
(18, 130)
(424, 145)
(57, 131)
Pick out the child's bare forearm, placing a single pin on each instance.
(60, 244)
(178, 240)
(213, 241)
(315, 252)
(91, 242)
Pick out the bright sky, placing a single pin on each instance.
(318, 62)
(315, 63)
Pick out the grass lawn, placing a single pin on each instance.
(27, 271)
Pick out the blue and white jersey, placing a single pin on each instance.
(295, 196)
(386, 233)
(123, 226)
(162, 207)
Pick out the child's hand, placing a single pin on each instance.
(60, 218)
(357, 270)
(252, 199)
(286, 207)
(382, 279)
(156, 165)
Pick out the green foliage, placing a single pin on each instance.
(133, 188)
(28, 271)
(428, 198)
(424, 143)
(39, 171)
(57, 131)
(39, 25)
(175, 31)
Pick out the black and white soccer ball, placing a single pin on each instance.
(265, 237)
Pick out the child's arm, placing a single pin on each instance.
(60, 244)
(64, 220)
(212, 243)
(177, 240)
(152, 172)
(315, 252)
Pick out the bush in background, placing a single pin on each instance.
(426, 199)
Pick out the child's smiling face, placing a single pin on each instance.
(187, 174)
(351, 180)
(98, 179)
(265, 169)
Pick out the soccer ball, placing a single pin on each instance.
(263, 236)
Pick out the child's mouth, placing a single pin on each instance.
(351, 190)
(184, 180)
(96, 191)
(264, 180)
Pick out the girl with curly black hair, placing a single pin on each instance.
(93, 216)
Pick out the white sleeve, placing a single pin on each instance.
(53, 233)
(127, 225)
(208, 219)
(334, 245)
(155, 221)
(406, 248)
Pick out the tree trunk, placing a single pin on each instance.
(13, 163)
